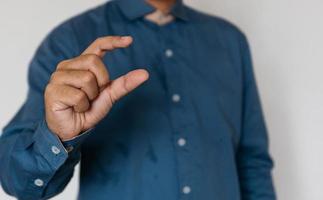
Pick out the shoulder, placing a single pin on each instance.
(224, 29)
(93, 17)
(82, 28)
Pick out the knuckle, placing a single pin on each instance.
(105, 78)
(49, 90)
(90, 59)
(62, 64)
(88, 77)
(80, 96)
(54, 76)
(116, 37)
(98, 40)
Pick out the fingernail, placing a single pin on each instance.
(126, 37)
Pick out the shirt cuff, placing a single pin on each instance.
(74, 143)
(49, 146)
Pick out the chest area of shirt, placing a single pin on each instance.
(178, 62)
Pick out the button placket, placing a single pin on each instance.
(178, 111)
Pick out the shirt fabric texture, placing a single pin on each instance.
(194, 130)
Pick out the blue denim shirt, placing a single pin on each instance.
(194, 130)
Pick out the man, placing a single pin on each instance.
(194, 130)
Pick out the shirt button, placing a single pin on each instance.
(176, 98)
(38, 182)
(169, 53)
(55, 150)
(181, 142)
(186, 189)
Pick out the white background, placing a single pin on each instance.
(286, 37)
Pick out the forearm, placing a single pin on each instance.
(254, 169)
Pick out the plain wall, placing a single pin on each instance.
(286, 38)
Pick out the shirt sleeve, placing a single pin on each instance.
(35, 164)
(254, 161)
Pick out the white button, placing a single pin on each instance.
(176, 98)
(55, 150)
(186, 189)
(181, 142)
(38, 182)
(169, 53)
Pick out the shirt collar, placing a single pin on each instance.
(134, 9)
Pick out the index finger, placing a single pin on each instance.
(101, 45)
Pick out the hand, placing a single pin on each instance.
(80, 93)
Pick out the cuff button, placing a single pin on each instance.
(55, 150)
(38, 182)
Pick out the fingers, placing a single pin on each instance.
(125, 84)
(115, 90)
(89, 62)
(84, 80)
(63, 96)
(79, 80)
(101, 45)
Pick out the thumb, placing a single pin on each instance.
(114, 91)
(125, 84)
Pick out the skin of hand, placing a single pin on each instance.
(162, 5)
(80, 92)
